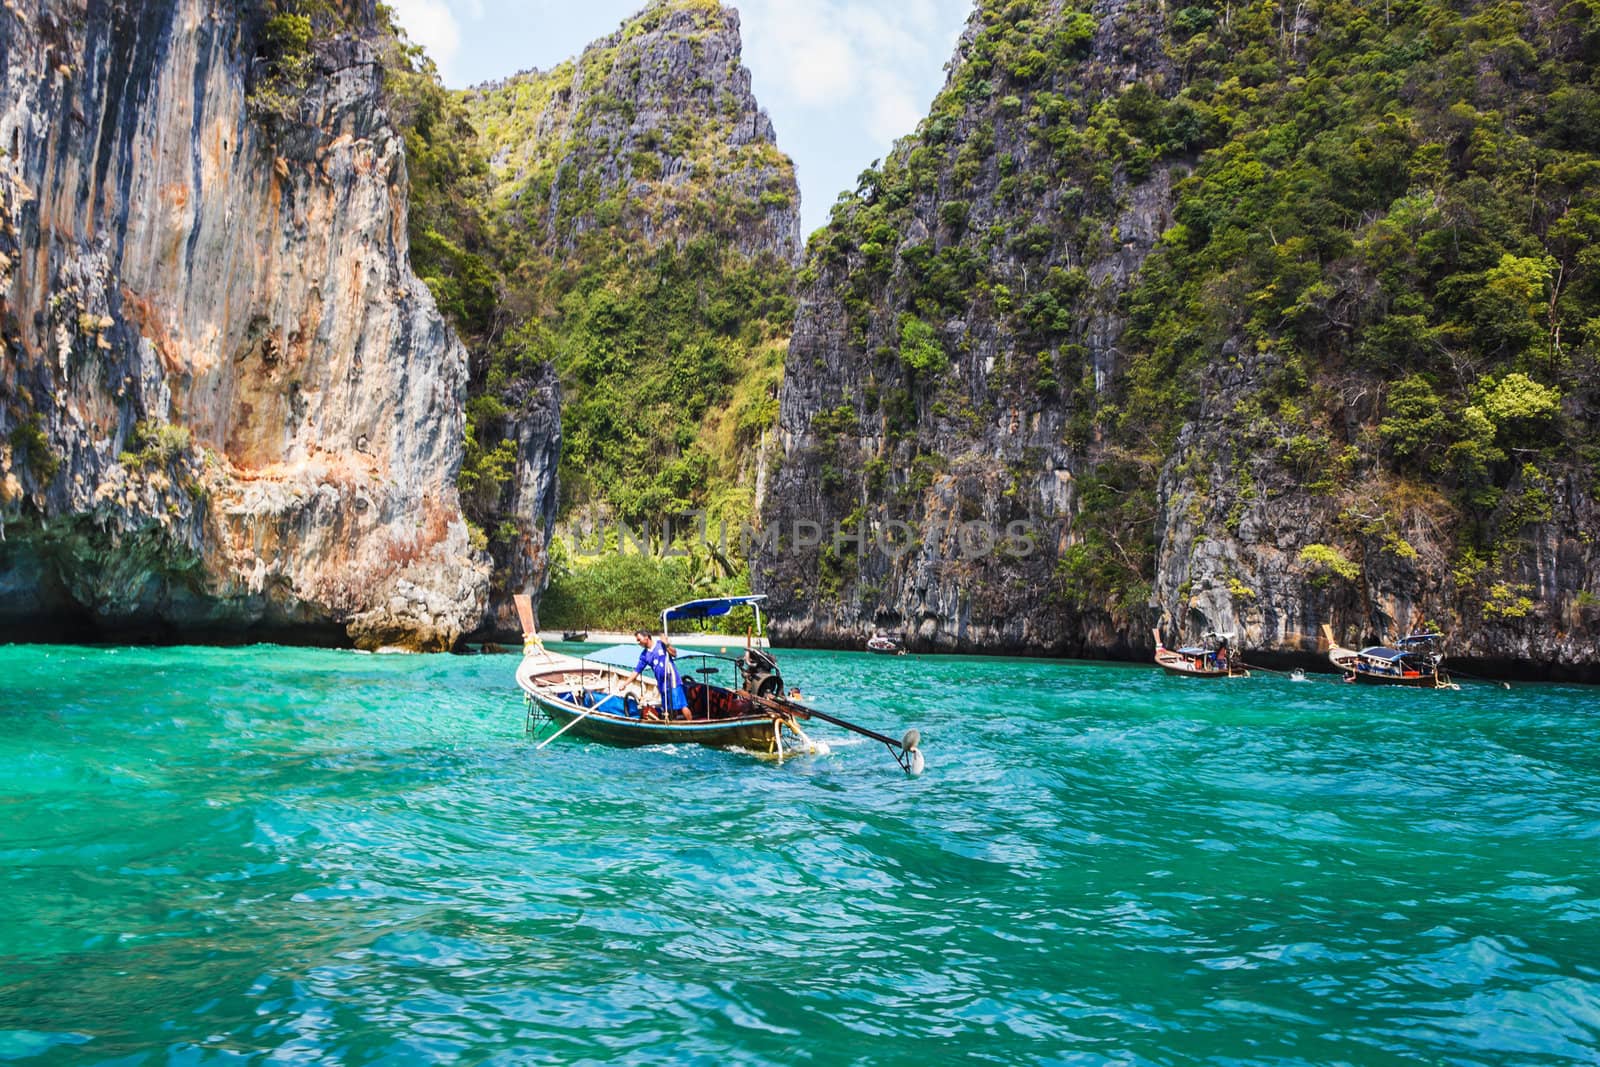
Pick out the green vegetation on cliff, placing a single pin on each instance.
(670, 369)
(1395, 219)
(642, 218)
(1382, 235)
(452, 248)
(978, 230)
(627, 219)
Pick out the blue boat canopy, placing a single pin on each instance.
(1387, 654)
(706, 609)
(1192, 651)
(624, 656)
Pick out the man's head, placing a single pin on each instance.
(644, 638)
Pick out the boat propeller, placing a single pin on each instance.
(910, 756)
(907, 751)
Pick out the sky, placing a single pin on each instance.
(842, 79)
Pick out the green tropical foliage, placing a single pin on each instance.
(284, 34)
(659, 298)
(1387, 218)
(1388, 204)
(625, 590)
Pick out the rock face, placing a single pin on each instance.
(1235, 560)
(529, 500)
(1048, 315)
(653, 130)
(646, 226)
(230, 409)
(961, 468)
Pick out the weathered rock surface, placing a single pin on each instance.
(533, 423)
(654, 127)
(983, 445)
(231, 410)
(1233, 525)
(644, 169)
(998, 228)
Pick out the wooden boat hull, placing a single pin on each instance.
(1183, 667)
(1190, 672)
(1420, 681)
(723, 718)
(758, 734)
(1182, 664)
(1352, 663)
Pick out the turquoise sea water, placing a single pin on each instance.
(232, 855)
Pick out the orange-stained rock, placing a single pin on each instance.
(261, 431)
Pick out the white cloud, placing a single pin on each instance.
(895, 109)
(868, 58)
(845, 79)
(801, 47)
(433, 25)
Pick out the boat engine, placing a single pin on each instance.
(760, 672)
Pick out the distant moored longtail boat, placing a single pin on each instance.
(884, 645)
(1209, 659)
(1415, 661)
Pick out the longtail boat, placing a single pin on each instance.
(590, 696)
(1415, 661)
(1209, 659)
(884, 645)
(587, 697)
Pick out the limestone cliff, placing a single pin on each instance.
(956, 318)
(1246, 318)
(230, 409)
(653, 131)
(644, 225)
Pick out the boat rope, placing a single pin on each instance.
(584, 714)
(1258, 667)
(1453, 673)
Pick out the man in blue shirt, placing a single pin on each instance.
(657, 655)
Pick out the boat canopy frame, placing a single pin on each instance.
(1210, 642)
(710, 608)
(1428, 645)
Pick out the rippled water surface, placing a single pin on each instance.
(211, 855)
